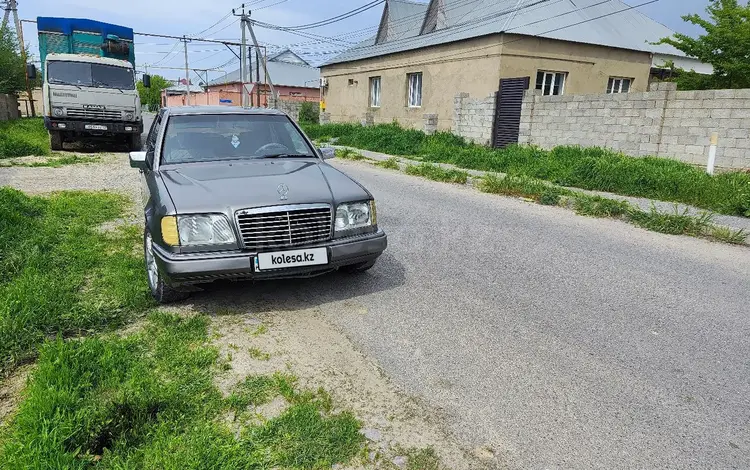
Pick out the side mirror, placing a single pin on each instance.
(327, 152)
(146, 80)
(138, 160)
(31, 71)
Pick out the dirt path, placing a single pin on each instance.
(250, 321)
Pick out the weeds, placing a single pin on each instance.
(258, 355)
(148, 400)
(437, 173)
(23, 137)
(349, 154)
(523, 186)
(390, 164)
(59, 274)
(596, 206)
(56, 162)
(587, 168)
(728, 235)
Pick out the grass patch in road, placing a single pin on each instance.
(349, 154)
(597, 206)
(390, 164)
(437, 173)
(258, 355)
(525, 187)
(148, 400)
(59, 274)
(586, 168)
(55, 162)
(23, 137)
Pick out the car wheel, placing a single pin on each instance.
(55, 140)
(359, 267)
(161, 291)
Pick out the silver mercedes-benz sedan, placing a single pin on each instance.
(242, 193)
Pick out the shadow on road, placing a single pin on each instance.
(298, 294)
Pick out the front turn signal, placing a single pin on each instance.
(169, 230)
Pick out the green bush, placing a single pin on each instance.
(22, 137)
(588, 168)
(309, 113)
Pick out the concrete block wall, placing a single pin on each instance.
(290, 107)
(472, 118)
(9, 107)
(661, 122)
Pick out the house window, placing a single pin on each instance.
(375, 92)
(551, 83)
(415, 90)
(618, 85)
(351, 82)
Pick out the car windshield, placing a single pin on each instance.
(87, 74)
(217, 137)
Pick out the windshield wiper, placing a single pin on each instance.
(105, 85)
(284, 155)
(63, 82)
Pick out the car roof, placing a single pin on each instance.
(185, 110)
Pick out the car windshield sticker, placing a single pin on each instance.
(235, 141)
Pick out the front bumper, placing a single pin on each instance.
(194, 268)
(75, 125)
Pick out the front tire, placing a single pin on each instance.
(55, 140)
(162, 292)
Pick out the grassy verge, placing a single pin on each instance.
(679, 223)
(54, 161)
(22, 137)
(148, 400)
(349, 154)
(587, 168)
(60, 275)
(437, 173)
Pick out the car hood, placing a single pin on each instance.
(231, 186)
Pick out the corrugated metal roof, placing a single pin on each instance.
(180, 89)
(608, 23)
(282, 74)
(404, 19)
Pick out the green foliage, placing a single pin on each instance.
(596, 206)
(59, 274)
(523, 186)
(349, 154)
(391, 164)
(56, 162)
(12, 68)
(23, 137)
(148, 400)
(151, 97)
(309, 113)
(437, 173)
(724, 45)
(588, 168)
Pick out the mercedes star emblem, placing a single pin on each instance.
(283, 190)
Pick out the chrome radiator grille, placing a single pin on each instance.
(284, 226)
(82, 113)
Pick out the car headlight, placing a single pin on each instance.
(197, 229)
(354, 215)
(58, 112)
(128, 116)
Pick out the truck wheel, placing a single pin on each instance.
(162, 292)
(134, 142)
(55, 140)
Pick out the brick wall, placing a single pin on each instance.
(9, 107)
(660, 122)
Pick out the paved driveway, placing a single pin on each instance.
(560, 341)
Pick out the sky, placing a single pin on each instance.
(193, 17)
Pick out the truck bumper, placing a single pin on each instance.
(85, 126)
(195, 268)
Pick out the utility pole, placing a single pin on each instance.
(257, 75)
(244, 101)
(185, 40)
(11, 6)
(257, 48)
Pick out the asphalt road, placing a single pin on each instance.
(559, 341)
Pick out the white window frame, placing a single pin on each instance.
(376, 85)
(614, 84)
(549, 79)
(414, 87)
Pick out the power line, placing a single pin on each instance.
(331, 20)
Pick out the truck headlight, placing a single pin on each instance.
(128, 116)
(354, 215)
(204, 229)
(58, 112)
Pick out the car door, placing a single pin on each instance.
(147, 173)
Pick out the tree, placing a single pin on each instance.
(308, 113)
(12, 71)
(725, 45)
(151, 97)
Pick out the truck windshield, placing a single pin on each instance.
(87, 74)
(217, 137)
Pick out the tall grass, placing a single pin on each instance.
(22, 137)
(587, 168)
(59, 274)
